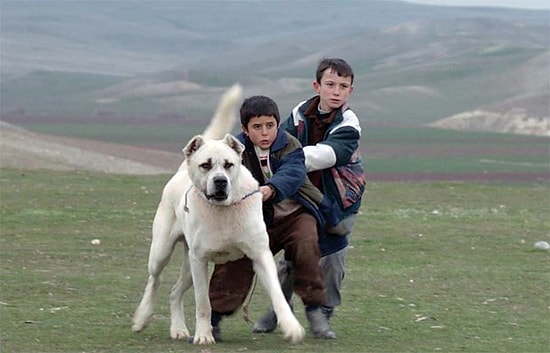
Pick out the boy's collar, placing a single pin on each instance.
(312, 110)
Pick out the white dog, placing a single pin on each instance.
(213, 207)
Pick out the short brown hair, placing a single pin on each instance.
(340, 66)
(257, 106)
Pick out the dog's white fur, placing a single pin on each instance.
(211, 205)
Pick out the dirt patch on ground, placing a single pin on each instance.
(23, 149)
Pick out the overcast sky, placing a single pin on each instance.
(523, 4)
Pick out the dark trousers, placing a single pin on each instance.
(297, 236)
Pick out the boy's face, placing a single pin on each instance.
(261, 130)
(333, 90)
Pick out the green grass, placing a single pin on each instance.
(427, 150)
(433, 267)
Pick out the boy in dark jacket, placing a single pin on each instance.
(330, 132)
(293, 212)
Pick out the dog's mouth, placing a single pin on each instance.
(218, 189)
(217, 196)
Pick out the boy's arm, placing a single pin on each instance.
(336, 150)
(291, 173)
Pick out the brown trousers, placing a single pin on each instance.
(297, 236)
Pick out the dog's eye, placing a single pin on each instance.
(228, 165)
(206, 165)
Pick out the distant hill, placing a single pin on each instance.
(514, 122)
(157, 62)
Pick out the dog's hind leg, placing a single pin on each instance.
(178, 328)
(265, 268)
(144, 312)
(162, 246)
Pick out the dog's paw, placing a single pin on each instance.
(143, 316)
(139, 325)
(295, 335)
(137, 328)
(204, 339)
(179, 333)
(292, 330)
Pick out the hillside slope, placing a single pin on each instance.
(515, 122)
(154, 61)
(23, 149)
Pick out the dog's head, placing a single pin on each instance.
(213, 166)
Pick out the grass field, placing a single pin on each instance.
(434, 267)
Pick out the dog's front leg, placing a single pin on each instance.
(265, 268)
(178, 328)
(203, 329)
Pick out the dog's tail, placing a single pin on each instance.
(224, 119)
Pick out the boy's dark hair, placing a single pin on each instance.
(257, 106)
(340, 66)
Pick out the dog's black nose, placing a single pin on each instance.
(220, 183)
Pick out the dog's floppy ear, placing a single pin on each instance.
(193, 145)
(235, 144)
